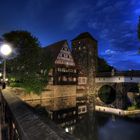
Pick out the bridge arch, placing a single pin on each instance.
(107, 94)
(133, 94)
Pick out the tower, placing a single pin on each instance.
(85, 53)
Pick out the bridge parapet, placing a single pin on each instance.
(119, 73)
(118, 77)
(20, 122)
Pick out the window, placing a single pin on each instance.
(59, 69)
(59, 79)
(70, 78)
(64, 78)
(83, 80)
(51, 79)
(83, 109)
(84, 47)
(74, 79)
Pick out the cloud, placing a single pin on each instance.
(93, 25)
(75, 15)
(122, 60)
(72, 19)
(110, 52)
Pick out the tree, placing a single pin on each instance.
(25, 59)
(103, 66)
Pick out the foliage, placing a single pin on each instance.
(31, 83)
(103, 66)
(24, 67)
(130, 108)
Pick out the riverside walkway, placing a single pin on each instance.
(24, 124)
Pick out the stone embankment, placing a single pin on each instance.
(117, 111)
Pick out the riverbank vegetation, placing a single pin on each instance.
(24, 66)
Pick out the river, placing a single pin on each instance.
(106, 127)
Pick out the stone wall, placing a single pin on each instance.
(55, 97)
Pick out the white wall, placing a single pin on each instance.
(117, 79)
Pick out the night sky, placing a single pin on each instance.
(112, 22)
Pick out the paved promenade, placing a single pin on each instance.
(28, 124)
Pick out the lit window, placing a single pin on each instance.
(74, 79)
(59, 78)
(84, 47)
(64, 78)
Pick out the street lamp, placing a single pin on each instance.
(5, 50)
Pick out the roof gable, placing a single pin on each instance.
(53, 50)
(65, 56)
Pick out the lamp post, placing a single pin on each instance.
(5, 50)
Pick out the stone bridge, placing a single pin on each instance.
(119, 89)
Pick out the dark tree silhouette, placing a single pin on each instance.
(24, 66)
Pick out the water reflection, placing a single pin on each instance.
(86, 129)
(97, 126)
(103, 127)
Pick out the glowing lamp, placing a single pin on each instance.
(5, 49)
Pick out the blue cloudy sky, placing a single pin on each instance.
(112, 22)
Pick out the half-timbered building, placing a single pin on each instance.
(62, 75)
